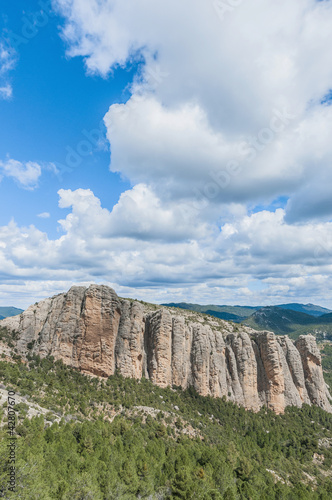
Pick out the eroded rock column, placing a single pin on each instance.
(158, 345)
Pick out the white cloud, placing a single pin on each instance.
(259, 54)
(139, 214)
(26, 174)
(8, 59)
(171, 149)
(6, 92)
(245, 89)
(253, 259)
(44, 215)
(226, 116)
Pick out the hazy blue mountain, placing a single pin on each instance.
(311, 309)
(289, 322)
(5, 312)
(279, 321)
(285, 319)
(229, 313)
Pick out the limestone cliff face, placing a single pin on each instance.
(92, 329)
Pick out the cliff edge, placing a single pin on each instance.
(94, 330)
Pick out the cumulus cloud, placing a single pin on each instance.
(139, 214)
(232, 99)
(26, 174)
(138, 259)
(237, 68)
(182, 156)
(171, 149)
(267, 238)
(228, 113)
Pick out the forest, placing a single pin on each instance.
(125, 439)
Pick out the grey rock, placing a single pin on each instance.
(95, 331)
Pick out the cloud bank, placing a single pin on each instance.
(169, 255)
(226, 143)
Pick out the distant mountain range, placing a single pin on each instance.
(6, 312)
(306, 308)
(293, 323)
(229, 313)
(292, 319)
(285, 319)
(106, 335)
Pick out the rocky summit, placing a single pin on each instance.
(95, 331)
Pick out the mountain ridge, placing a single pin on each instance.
(311, 309)
(94, 330)
(284, 319)
(8, 311)
(238, 314)
(293, 323)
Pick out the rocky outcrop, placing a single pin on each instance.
(312, 368)
(94, 330)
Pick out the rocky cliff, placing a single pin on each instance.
(94, 330)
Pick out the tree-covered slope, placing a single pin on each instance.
(310, 309)
(278, 320)
(289, 322)
(127, 439)
(326, 352)
(240, 314)
(228, 313)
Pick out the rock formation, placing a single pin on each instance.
(94, 330)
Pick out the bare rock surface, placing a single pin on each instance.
(94, 330)
(313, 374)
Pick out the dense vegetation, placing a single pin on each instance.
(326, 352)
(292, 323)
(228, 313)
(311, 309)
(86, 456)
(285, 319)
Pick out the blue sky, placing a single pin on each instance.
(192, 167)
(55, 101)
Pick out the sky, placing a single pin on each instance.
(175, 151)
